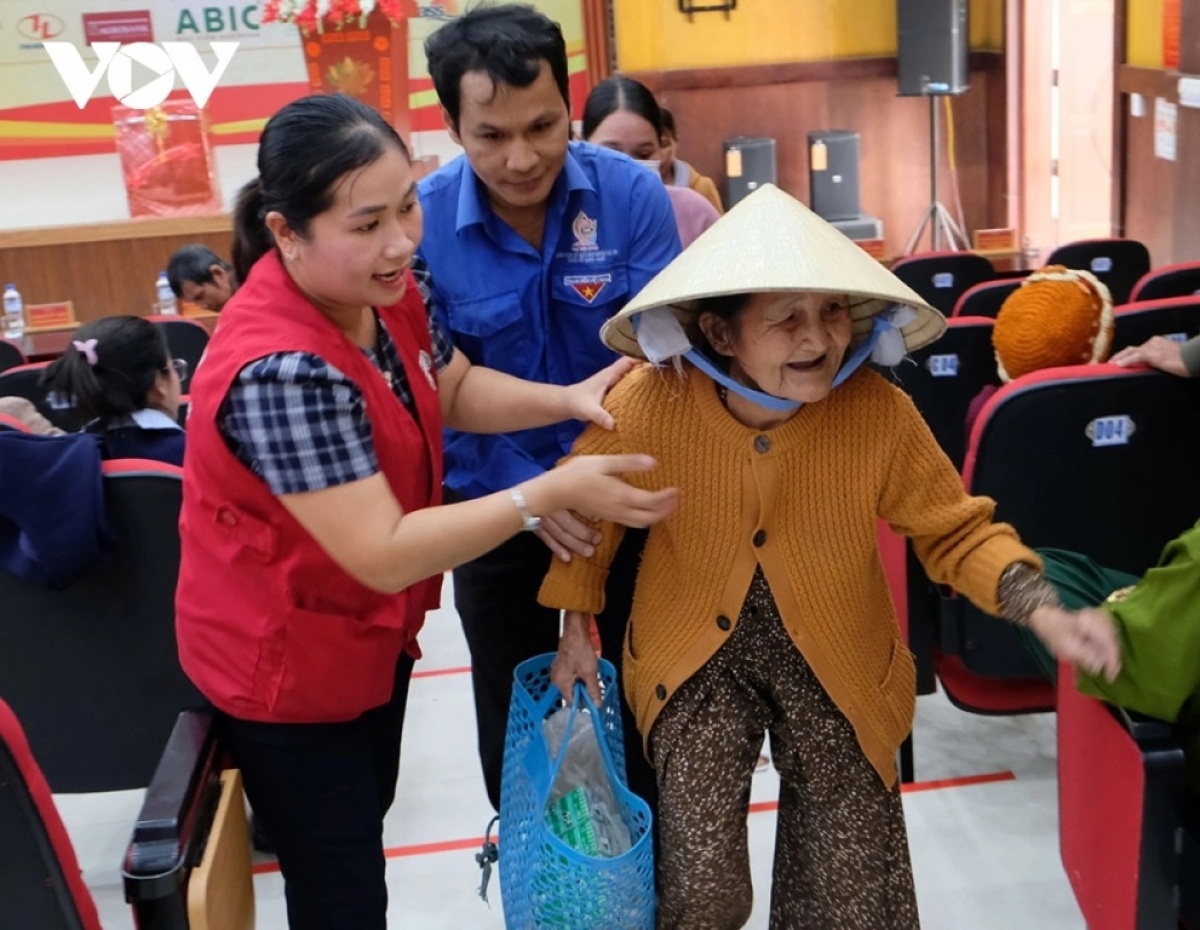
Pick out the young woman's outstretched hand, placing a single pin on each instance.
(1085, 638)
(585, 400)
(591, 485)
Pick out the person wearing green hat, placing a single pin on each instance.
(761, 604)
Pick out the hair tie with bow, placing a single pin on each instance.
(87, 349)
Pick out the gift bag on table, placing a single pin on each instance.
(576, 849)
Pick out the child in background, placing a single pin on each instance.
(118, 373)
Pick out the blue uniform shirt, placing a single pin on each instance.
(537, 314)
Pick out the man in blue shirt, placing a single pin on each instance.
(532, 242)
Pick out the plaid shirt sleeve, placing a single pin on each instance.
(298, 423)
(443, 348)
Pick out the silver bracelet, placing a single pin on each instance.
(1022, 590)
(529, 522)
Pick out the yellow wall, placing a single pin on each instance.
(652, 35)
(1144, 33)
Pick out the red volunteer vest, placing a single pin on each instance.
(269, 627)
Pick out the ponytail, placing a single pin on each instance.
(73, 379)
(251, 238)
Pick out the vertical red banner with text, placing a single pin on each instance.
(370, 64)
(1172, 15)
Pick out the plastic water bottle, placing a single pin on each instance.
(166, 296)
(14, 313)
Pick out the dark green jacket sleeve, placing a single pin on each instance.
(1159, 628)
(1191, 357)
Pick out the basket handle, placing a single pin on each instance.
(581, 697)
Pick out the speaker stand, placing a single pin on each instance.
(936, 218)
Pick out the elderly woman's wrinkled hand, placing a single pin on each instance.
(1085, 638)
(1157, 352)
(576, 659)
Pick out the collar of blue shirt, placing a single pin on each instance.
(473, 206)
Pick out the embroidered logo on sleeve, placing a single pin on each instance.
(587, 286)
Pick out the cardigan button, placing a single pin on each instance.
(723, 622)
(762, 443)
(661, 692)
(760, 537)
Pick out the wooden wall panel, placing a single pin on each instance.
(1148, 188)
(788, 101)
(107, 268)
(1160, 200)
(1186, 229)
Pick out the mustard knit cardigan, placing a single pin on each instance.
(802, 501)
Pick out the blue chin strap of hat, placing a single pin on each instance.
(879, 325)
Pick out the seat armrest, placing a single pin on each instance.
(177, 812)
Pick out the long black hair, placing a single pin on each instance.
(620, 93)
(508, 42)
(110, 367)
(303, 151)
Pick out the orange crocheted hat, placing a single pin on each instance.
(1058, 316)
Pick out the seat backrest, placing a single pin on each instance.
(946, 376)
(10, 355)
(93, 670)
(1119, 263)
(1095, 459)
(186, 339)
(24, 381)
(41, 887)
(1181, 280)
(1176, 318)
(942, 277)
(187, 866)
(985, 299)
(1120, 784)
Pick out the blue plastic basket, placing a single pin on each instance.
(543, 881)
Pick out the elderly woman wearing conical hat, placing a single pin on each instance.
(761, 604)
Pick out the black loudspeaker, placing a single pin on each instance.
(932, 46)
(833, 174)
(749, 164)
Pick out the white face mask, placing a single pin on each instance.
(650, 164)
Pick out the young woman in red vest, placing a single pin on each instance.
(312, 543)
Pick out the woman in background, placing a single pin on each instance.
(621, 114)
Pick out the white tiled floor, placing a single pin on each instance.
(985, 855)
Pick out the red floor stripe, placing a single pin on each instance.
(424, 849)
(917, 786)
(438, 672)
(985, 779)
